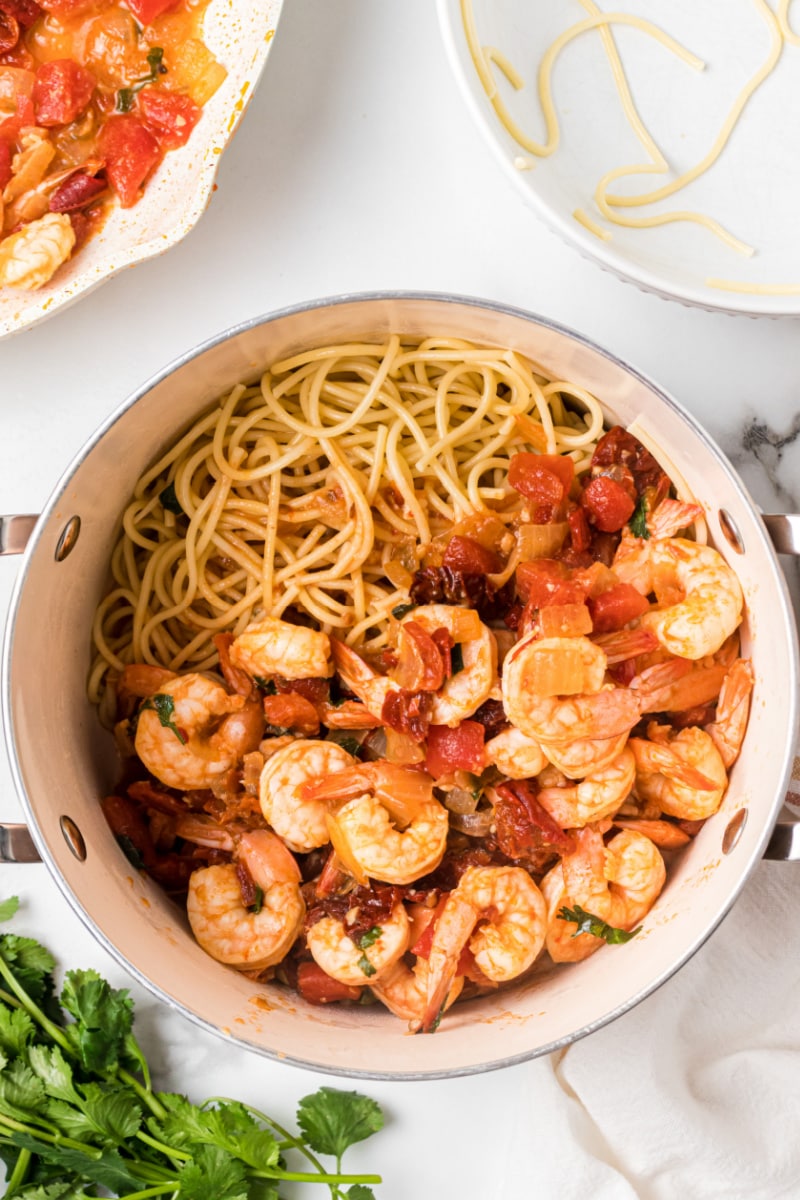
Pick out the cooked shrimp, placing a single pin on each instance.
(234, 934)
(727, 731)
(404, 990)
(700, 598)
(360, 679)
(501, 914)
(517, 756)
(636, 874)
(334, 950)
(32, 255)
(553, 691)
(301, 823)
(664, 834)
(197, 733)
(273, 647)
(366, 841)
(684, 775)
(598, 795)
(584, 757)
(464, 692)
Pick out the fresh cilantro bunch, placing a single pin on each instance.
(78, 1112)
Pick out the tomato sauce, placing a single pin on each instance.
(93, 94)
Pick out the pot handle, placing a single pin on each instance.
(16, 843)
(15, 531)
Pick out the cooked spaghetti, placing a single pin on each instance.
(319, 488)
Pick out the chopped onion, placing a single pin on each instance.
(374, 745)
(541, 541)
(459, 800)
(474, 824)
(400, 748)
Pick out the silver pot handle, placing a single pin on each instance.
(16, 845)
(784, 530)
(784, 845)
(15, 531)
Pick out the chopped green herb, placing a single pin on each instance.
(167, 496)
(267, 686)
(370, 937)
(400, 610)
(456, 659)
(588, 923)
(78, 1113)
(638, 522)
(125, 96)
(366, 966)
(258, 903)
(348, 743)
(163, 706)
(129, 850)
(271, 731)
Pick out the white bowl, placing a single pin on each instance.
(751, 189)
(240, 37)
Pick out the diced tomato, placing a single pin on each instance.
(76, 192)
(66, 8)
(61, 92)
(130, 152)
(613, 609)
(607, 504)
(169, 116)
(5, 164)
(580, 537)
(24, 12)
(291, 711)
(620, 448)
(543, 478)
(464, 554)
(146, 11)
(459, 749)
(317, 987)
(547, 581)
(420, 666)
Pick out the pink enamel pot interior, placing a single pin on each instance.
(64, 762)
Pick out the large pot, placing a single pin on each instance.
(64, 763)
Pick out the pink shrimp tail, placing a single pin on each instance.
(452, 932)
(673, 515)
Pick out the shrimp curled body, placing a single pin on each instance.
(301, 823)
(209, 732)
(274, 647)
(335, 951)
(234, 934)
(501, 914)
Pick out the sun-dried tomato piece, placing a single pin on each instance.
(408, 712)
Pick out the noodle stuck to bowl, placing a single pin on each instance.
(415, 677)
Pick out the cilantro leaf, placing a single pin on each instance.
(103, 1019)
(332, 1120)
(107, 1167)
(588, 923)
(400, 610)
(456, 659)
(370, 937)
(163, 706)
(63, 1190)
(113, 1111)
(359, 1191)
(366, 966)
(213, 1175)
(21, 1092)
(30, 963)
(54, 1071)
(265, 685)
(8, 908)
(16, 1029)
(638, 522)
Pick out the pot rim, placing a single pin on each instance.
(6, 710)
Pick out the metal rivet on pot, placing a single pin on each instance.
(734, 830)
(68, 538)
(73, 837)
(730, 531)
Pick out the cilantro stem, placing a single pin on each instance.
(144, 1094)
(47, 1025)
(169, 1151)
(7, 998)
(19, 1172)
(309, 1177)
(56, 1139)
(161, 1190)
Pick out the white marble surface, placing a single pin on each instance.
(357, 167)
